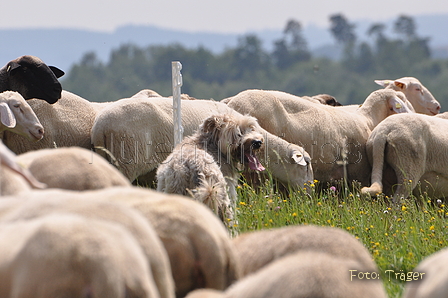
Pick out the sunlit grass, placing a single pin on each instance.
(397, 236)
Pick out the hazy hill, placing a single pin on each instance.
(63, 47)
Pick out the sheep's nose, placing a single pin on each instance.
(38, 132)
(256, 144)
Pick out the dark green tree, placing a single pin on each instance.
(344, 33)
(342, 30)
(376, 30)
(292, 47)
(365, 60)
(405, 26)
(415, 47)
(281, 55)
(249, 56)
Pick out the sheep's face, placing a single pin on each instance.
(296, 163)
(32, 78)
(418, 95)
(18, 117)
(238, 137)
(421, 98)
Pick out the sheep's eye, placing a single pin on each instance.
(17, 105)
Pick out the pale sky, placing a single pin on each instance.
(226, 16)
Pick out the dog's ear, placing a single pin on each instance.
(210, 124)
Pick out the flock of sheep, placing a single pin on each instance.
(73, 225)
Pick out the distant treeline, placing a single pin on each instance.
(290, 67)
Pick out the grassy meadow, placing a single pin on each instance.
(398, 237)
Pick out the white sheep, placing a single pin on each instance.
(146, 93)
(17, 117)
(303, 275)
(418, 95)
(327, 133)
(326, 99)
(67, 123)
(415, 148)
(13, 177)
(198, 245)
(33, 204)
(429, 278)
(32, 78)
(259, 248)
(11, 182)
(68, 255)
(139, 133)
(72, 168)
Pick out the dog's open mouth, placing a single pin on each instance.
(254, 163)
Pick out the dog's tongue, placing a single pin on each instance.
(254, 163)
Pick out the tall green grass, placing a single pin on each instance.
(397, 236)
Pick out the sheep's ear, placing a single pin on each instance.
(383, 83)
(299, 158)
(12, 66)
(400, 85)
(57, 72)
(6, 115)
(399, 106)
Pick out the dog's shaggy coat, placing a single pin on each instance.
(206, 165)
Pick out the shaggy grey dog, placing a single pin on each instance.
(206, 165)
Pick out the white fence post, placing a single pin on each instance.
(176, 66)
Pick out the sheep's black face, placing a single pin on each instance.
(32, 78)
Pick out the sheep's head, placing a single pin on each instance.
(418, 95)
(398, 103)
(32, 78)
(327, 100)
(383, 103)
(17, 116)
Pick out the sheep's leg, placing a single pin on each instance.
(378, 151)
